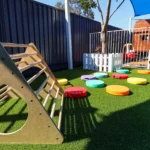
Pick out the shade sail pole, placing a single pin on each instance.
(130, 28)
(68, 35)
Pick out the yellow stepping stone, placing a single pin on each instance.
(143, 71)
(62, 81)
(117, 90)
(134, 80)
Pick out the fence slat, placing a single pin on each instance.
(106, 62)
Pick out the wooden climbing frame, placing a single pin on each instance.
(39, 127)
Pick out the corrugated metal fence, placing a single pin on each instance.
(25, 21)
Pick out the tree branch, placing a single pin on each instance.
(116, 8)
(100, 10)
(108, 12)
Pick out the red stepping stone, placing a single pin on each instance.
(119, 76)
(75, 92)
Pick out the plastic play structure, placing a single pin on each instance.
(39, 127)
(128, 51)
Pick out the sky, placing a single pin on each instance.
(119, 19)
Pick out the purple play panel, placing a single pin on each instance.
(87, 77)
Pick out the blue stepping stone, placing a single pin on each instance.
(100, 75)
(95, 83)
(124, 71)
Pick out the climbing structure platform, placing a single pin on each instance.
(39, 127)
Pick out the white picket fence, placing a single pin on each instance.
(102, 62)
(148, 63)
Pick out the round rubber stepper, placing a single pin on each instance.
(75, 92)
(124, 71)
(134, 80)
(100, 75)
(95, 83)
(118, 90)
(119, 76)
(87, 77)
(62, 81)
(143, 71)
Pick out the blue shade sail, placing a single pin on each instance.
(141, 7)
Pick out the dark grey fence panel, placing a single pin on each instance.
(25, 21)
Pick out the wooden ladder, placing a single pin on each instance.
(39, 127)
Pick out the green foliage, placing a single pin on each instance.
(87, 4)
(78, 8)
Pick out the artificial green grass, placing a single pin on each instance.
(100, 121)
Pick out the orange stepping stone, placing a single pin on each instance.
(117, 90)
(143, 71)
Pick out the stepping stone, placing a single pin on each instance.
(135, 80)
(75, 92)
(119, 76)
(95, 83)
(118, 90)
(124, 71)
(100, 75)
(143, 71)
(87, 77)
(62, 81)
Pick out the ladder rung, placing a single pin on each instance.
(15, 45)
(29, 66)
(36, 76)
(60, 112)
(42, 86)
(17, 56)
(4, 88)
(3, 98)
(54, 104)
(48, 95)
(4, 93)
(19, 62)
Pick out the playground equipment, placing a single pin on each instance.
(95, 83)
(87, 77)
(39, 127)
(100, 75)
(124, 71)
(119, 76)
(135, 80)
(62, 81)
(118, 90)
(143, 71)
(128, 51)
(75, 92)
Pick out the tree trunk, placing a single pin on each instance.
(104, 38)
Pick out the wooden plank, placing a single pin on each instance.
(60, 113)
(42, 86)
(19, 62)
(48, 95)
(4, 88)
(4, 98)
(4, 93)
(29, 66)
(36, 76)
(54, 104)
(21, 55)
(15, 45)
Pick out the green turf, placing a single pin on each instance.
(98, 122)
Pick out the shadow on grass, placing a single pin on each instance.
(126, 129)
(10, 117)
(78, 120)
